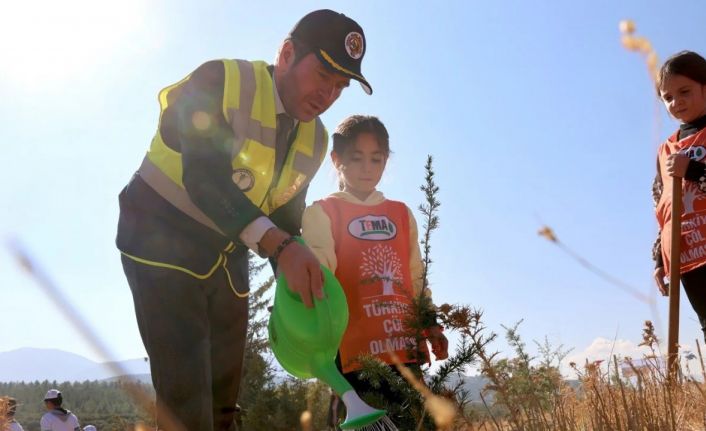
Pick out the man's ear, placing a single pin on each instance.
(285, 57)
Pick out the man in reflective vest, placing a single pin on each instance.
(237, 144)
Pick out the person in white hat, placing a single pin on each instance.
(57, 418)
(89, 428)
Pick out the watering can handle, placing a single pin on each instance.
(323, 311)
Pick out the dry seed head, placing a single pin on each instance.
(547, 233)
(639, 44)
(305, 420)
(630, 43)
(442, 410)
(627, 26)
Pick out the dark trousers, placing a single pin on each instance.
(194, 332)
(694, 283)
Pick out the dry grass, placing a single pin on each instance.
(623, 394)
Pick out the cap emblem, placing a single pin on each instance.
(354, 45)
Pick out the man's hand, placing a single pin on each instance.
(439, 343)
(659, 280)
(298, 264)
(676, 165)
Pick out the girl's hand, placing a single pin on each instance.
(677, 164)
(659, 279)
(439, 343)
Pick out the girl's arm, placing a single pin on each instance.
(317, 234)
(416, 267)
(439, 342)
(657, 187)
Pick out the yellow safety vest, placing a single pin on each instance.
(249, 108)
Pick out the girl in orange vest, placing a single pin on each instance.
(681, 85)
(370, 244)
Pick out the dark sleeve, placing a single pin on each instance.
(288, 217)
(695, 171)
(206, 150)
(657, 187)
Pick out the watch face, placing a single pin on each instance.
(244, 179)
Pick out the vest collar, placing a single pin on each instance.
(375, 198)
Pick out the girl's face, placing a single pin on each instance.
(684, 98)
(361, 165)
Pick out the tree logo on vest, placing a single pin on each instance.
(381, 263)
(372, 228)
(244, 179)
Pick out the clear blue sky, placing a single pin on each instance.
(534, 112)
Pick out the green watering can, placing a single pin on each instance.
(305, 342)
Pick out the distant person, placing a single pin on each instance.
(370, 243)
(681, 85)
(12, 424)
(57, 418)
(89, 428)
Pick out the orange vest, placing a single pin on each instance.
(372, 249)
(693, 221)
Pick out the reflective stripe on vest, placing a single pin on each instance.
(249, 109)
(174, 194)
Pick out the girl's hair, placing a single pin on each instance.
(347, 132)
(685, 63)
(350, 128)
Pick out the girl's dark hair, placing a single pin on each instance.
(347, 132)
(57, 401)
(685, 63)
(350, 128)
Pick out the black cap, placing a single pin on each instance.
(337, 41)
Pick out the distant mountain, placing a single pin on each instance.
(473, 385)
(30, 364)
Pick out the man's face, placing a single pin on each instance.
(307, 88)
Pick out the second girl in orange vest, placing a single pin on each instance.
(682, 87)
(370, 244)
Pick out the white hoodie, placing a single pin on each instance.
(60, 419)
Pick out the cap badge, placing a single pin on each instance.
(354, 45)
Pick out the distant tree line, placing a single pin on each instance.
(106, 405)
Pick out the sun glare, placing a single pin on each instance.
(46, 42)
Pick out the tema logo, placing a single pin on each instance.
(373, 228)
